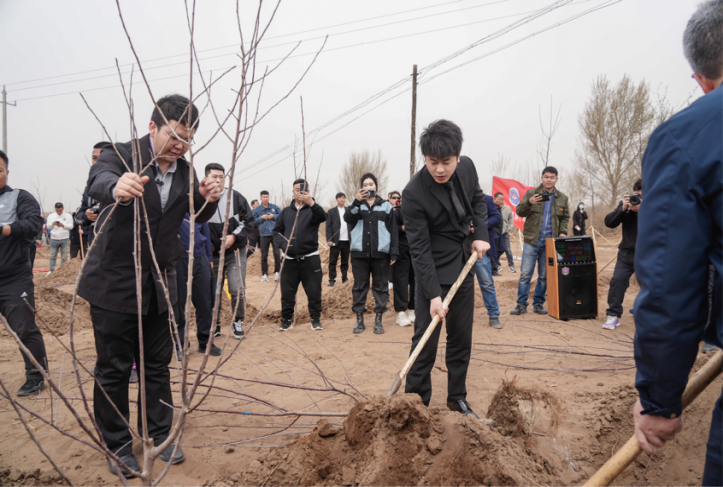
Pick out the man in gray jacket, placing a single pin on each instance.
(508, 224)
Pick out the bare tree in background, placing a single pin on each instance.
(548, 132)
(360, 163)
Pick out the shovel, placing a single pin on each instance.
(631, 449)
(430, 329)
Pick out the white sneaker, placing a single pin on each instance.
(391, 286)
(264, 278)
(402, 319)
(611, 323)
(410, 315)
(276, 276)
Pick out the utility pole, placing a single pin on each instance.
(5, 117)
(413, 162)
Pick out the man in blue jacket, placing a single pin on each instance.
(483, 267)
(682, 216)
(266, 215)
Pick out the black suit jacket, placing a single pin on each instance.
(333, 225)
(109, 280)
(438, 243)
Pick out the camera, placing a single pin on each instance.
(371, 193)
(545, 197)
(96, 208)
(635, 199)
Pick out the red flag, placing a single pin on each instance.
(513, 192)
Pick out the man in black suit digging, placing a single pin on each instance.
(440, 203)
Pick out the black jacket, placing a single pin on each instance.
(109, 281)
(241, 222)
(578, 219)
(438, 243)
(333, 225)
(305, 238)
(630, 225)
(86, 202)
(402, 243)
(21, 211)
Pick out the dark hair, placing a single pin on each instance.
(441, 139)
(59, 205)
(339, 195)
(550, 169)
(580, 203)
(101, 145)
(394, 192)
(369, 176)
(498, 193)
(638, 185)
(175, 107)
(4, 157)
(216, 166)
(298, 181)
(254, 201)
(263, 193)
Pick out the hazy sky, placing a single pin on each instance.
(54, 50)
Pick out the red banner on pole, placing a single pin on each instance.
(513, 191)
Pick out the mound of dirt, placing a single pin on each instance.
(399, 441)
(68, 272)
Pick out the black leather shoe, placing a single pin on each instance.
(215, 351)
(519, 310)
(378, 327)
(461, 406)
(166, 455)
(130, 460)
(344, 279)
(359, 327)
(539, 309)
(32, 387)
(331, 284)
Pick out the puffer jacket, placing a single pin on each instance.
(375, 233)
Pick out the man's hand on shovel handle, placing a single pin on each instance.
(653, 431)
(481, 247)
(436, 307)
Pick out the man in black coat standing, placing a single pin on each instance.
(109, 283)
(337, 239)
(440, 202)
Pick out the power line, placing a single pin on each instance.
(268, 39)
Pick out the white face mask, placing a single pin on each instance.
(582, 207)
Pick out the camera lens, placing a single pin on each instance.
(635, 200)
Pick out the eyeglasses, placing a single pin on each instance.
(395, 198)
(175, 138)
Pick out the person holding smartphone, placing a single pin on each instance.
(545, 209)
(373, 249)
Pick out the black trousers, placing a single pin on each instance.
(75, 246)
(265, 242)
(624, 268)
(21, 319)
(376, 270)
(253, 244)
(403, 280)
(459, 343)
(200, 296)
(116, 343)
(343, 248)
(308, 273)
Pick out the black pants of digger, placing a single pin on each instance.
(21, 318)
(459, 343)
(624, 268)
(343, 248)
(308, 273)
(116, 343)
(403, 280)
(376, 270)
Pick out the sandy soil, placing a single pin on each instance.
(579, 381)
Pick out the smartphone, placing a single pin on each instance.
(545, 197)
(303, 188)
(371, 193)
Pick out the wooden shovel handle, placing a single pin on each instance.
(631, 449)
(430, 329)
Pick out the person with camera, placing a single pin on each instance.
(266, 215)
(402, 270)
(109, 281)
(87, 214)
(60, 224)
(579, 218)
(626, 214)
(373, 249)
(297, 234)
(545, 209)
(337, 239)
(20, 221)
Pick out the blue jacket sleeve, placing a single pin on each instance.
(494, 217)
(674, 226)
(206, 232)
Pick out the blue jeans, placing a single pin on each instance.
(64, 245)
(531, 255)
(483, 269)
